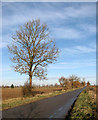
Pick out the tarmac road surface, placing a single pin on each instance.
(54, 107)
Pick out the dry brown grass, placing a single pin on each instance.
(94, 91)
(9, 93)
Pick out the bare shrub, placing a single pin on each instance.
(26, 90)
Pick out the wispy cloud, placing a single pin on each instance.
(47, 11)
(66, 33)
(88, 28)
(74, 64)
(53, 14)
(80, 11)
(78, 50)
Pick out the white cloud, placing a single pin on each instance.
(88, 28)
(66, 33)
(84, 49)
(74, 64)
(50, 14)
(47, 13)
(83, 11)
(78, 50)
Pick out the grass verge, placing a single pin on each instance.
(85, 106)
(10, 103)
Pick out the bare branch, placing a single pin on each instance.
(33, 49)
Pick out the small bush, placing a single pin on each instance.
(26, 90)
(85, 91)
(91, 88)
(12, 86)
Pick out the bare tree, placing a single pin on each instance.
(88, 83)
(33, 50)
(64, 82)
(61, 81)
(83, 82)
(73, 78)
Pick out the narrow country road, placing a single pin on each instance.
(54, 107)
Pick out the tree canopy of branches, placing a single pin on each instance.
(88, 83)
(71, 81)
(33, 49)
(64, 82)
(73, 78)
(83, 82)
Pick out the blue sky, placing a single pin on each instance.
(72, 26)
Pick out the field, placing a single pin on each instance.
(85, 106)
(9, 93)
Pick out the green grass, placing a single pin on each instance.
(84, 107)
(10, 103)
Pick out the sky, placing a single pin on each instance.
(49, 0)
(72, 26)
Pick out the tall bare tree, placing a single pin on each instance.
(33, 50)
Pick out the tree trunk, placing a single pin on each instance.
(30, 75)
(30, 78)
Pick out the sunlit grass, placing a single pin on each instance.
(85, 106)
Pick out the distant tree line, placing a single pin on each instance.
(72, 81)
